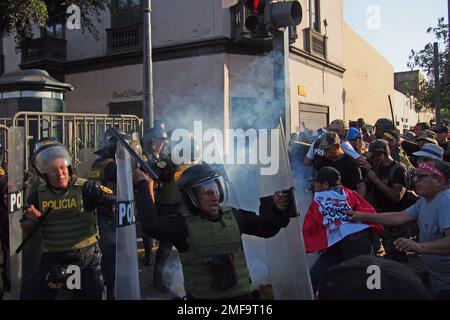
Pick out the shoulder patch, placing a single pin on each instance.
(2, 171)
(161, 164)
(79, 182)
(106, 189)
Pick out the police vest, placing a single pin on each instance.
(69, 226)
(168, 193)
(208, 238)
(97, 172)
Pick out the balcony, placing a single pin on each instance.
(49, 49)
(315, 43)
(124, 39)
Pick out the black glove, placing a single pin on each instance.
(95, 195)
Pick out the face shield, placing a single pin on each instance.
(207, 192)
(45, 161)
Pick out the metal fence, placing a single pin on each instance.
(79, 132)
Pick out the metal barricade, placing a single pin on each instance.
(76, 131)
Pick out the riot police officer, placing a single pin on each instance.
(69, 230)
(168, 198)
(154, 144)
(155, 141)
(208, 233)
(104, 169)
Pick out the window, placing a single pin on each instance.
(55, 27)
(312, 117)
(131, 107)
(125, 12)
(314, 15)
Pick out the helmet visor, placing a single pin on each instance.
(51, 159)
(208, 193)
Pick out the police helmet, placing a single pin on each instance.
(46, 150)
(158, 133)
(201, 177)
(110, 140)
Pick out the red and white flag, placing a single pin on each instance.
(326, 224)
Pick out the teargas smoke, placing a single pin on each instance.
(249, 103)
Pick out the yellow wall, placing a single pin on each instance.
(368, 80)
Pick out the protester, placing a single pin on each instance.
(335, 157)
(326, 228)
(442, 139)
(387, 185)
(433, 215)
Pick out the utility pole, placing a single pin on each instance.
(437, 85)
(148, 105)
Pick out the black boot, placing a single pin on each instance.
(148, 259)
(158, 283)
(147, 242)
(160, 260)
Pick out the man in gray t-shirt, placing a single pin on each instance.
(432, 212)
(434, 220)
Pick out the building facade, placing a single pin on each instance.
(206, 67)
(371, 86)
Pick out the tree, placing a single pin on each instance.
(423, 60)
(19, 16)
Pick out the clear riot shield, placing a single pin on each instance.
(15, 206)
(287, 261)
(242, 187)
(127, 271)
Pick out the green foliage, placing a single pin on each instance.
(19, 16)
(423, 60)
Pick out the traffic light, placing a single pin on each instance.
(267, 16)
(255, 21)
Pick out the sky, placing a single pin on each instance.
(394, 27)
